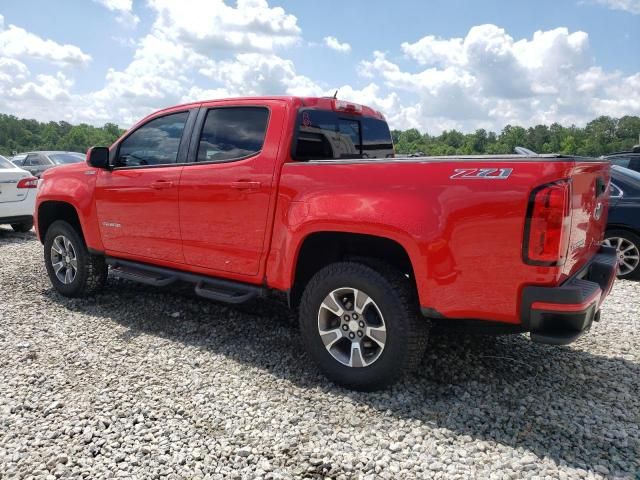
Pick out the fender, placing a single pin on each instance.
(73, 184)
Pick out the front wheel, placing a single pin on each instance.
(73, 271)
(627, 245)
(361, 325)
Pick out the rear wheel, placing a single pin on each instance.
(22, 227)
(73, 271)
(361, 325)
(627, 245)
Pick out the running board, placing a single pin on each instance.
(217, 289)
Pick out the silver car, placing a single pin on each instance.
(37, 162)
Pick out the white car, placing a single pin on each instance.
(18, 190)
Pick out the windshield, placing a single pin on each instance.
(5, 164)
(326, 135)
(63, 158)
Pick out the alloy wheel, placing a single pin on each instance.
(352, 327)
(628, 254)
(64, 260)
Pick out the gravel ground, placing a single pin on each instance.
(144, 383)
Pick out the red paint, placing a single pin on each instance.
(247, 220)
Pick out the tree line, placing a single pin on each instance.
(599, 137)
(22, 135)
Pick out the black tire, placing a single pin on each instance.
(631, 238)
(91, 273)
(394, 295)
(22, 227)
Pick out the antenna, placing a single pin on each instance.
(335, 95)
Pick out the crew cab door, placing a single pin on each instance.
(137, 201)
(227, 190)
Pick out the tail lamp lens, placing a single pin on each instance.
(548, 225)
(29, 182)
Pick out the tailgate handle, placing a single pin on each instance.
(245, 185)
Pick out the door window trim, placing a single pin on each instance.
(182, 147)
(194, 144)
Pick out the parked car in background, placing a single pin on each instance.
(17, 196)
(623, 227)
(37, 162)
(630, 160)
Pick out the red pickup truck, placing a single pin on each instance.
(304, 196)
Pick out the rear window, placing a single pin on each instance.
(232, 133)
(4, 163)
(325, 135)
(62, 158)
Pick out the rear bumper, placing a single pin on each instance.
(11, 212)
(559, 315)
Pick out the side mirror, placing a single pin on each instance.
(98, 157)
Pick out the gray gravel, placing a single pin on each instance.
(144, 383)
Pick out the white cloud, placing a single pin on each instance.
(209, 26)
(15, 42)
(205, 49)
(631, 6)
(489, 79)
(334, 44)
(124, 9)
(260, 74)
(199, 47)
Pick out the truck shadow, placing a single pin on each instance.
(571, 406)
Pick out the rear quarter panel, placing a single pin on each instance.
(463, 236)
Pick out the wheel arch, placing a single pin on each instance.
(52, 210)
(321, 248)
(622, 226)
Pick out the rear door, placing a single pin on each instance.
(227, 190)
(137, 201)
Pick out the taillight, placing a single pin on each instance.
(28, 182)
(548, 224)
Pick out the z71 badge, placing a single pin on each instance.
(482, 173)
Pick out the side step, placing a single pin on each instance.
(217, 289)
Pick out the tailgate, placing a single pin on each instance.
(589, 206)
(9, 191)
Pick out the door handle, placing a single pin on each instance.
(245, 185)
(160, 184)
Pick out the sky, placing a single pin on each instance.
(432, 65)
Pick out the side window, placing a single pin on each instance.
(155, 143)
(18, 160)
(634, 164)
(35, 160)
(232, 133)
